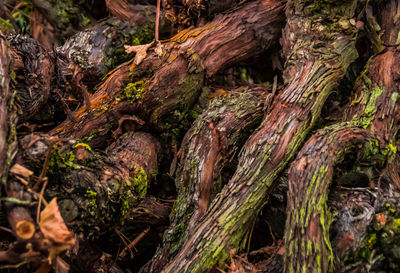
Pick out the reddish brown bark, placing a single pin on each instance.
(375, 108)
(308, 221)
(4, 97)
(220, 194)
(206, 149)
(179, 73)
(292, 114)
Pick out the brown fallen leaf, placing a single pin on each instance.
(54, 229)
(21, 170)
(140, 50)
(158, 49)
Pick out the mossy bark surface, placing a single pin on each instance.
(96, 192)
(211, 143)
(173, 80)
(309, 46)
(373, 118)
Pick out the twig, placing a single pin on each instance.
(133, 243)
(14, 200)
(7, 230)
(124, 239)
(16, 265)
(40, 201)
(157, 19)
(44, 169)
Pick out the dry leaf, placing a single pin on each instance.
(53, 228)
(158, 49)
(21, 170)
(140, 50)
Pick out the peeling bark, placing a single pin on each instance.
(207, 147)
(375, 111)
(308, 82)
(225, 171)
(178, 75)
(307, 225)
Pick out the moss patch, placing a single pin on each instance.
(134, 91)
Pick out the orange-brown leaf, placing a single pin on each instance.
(53, 227)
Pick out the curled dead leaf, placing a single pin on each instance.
(140, 50)
(54, 229)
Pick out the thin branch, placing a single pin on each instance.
(40, 201)
(157, 19)
(133, 243)
(44, 169)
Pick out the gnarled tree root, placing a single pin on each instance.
(308, 82)
(376, 109)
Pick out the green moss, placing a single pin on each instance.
(370, 107)
(59, 161)
(134, 191)
(6, 26)
(89, 138)
(190, 85)
(134, 91)
(91, 199)
(81, 144)
(327, 7)
(144, 35)
(117, 56)
(85, 20)
(179, 235)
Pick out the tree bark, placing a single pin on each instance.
(178, 75)
(308, 82)
(113, 177)
(4, 99)
(376, 112)
(95, 192)
(206, 149)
